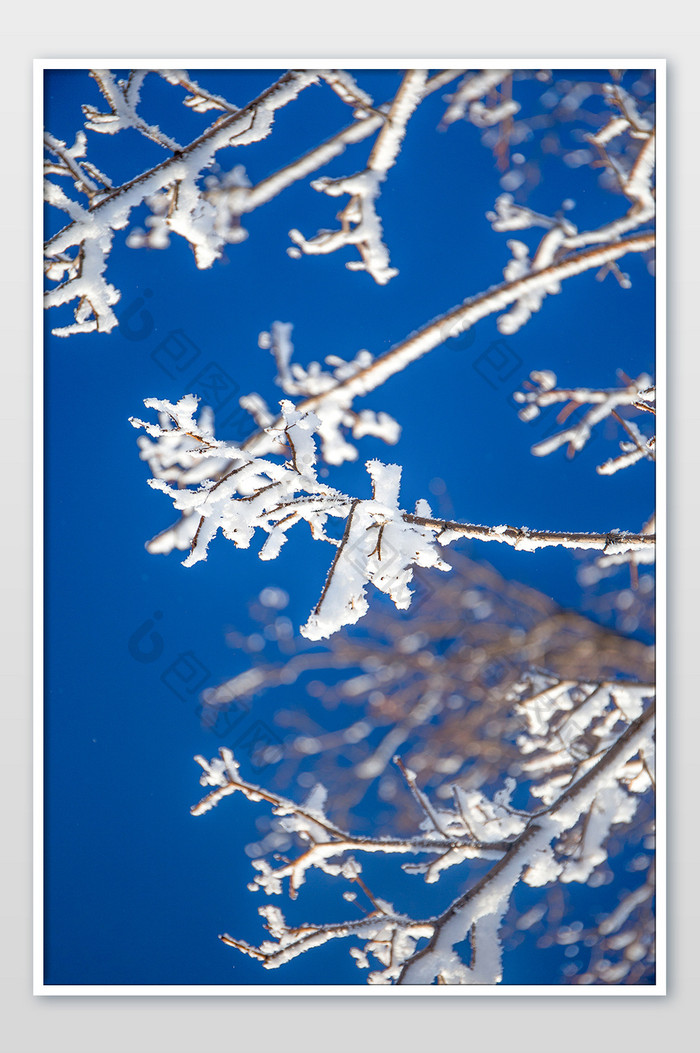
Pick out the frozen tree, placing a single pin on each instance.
(575, 744)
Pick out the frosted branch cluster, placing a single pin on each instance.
(589, 750)
(186, 198)
(380, 542)
(637, 394)
(77, 255)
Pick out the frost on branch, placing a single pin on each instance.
(379, 546)
(77, 255)
(267, 483)
(589, 750)
(636, 394)
(360, 224)
(634, 178)
(255, 492)
(438, 693)
(380, 543)
(521, 266)
(541, 393)
(568, 722)
(200, 100)
(82, 275)
(467, 101)
(69, 162)
(561, 236)
(334, 410)
(186, 198)
(123, 98)
(171, 453)
(522, 137)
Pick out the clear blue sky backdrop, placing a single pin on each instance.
(137, 889)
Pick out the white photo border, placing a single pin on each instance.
(382, 991)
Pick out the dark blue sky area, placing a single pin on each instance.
(137, 889)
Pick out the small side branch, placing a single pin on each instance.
(359, 223)
(491, 894)
(527, 540)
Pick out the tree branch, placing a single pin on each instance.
(453, 925)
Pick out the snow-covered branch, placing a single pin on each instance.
(86, 178)
(91, 230)
(637, 394)
(595, 786)
(562, 237)
(452, 843)
(198, 98)
(380, 542)
(585, 122)
(331, 396)
(360, 224)
(241, 198)
(464, 316)
(531, 857)
(123, 98)
(469, 96)
(207, 216)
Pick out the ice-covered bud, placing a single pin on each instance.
(545, 378)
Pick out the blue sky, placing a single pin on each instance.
(136, 889)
